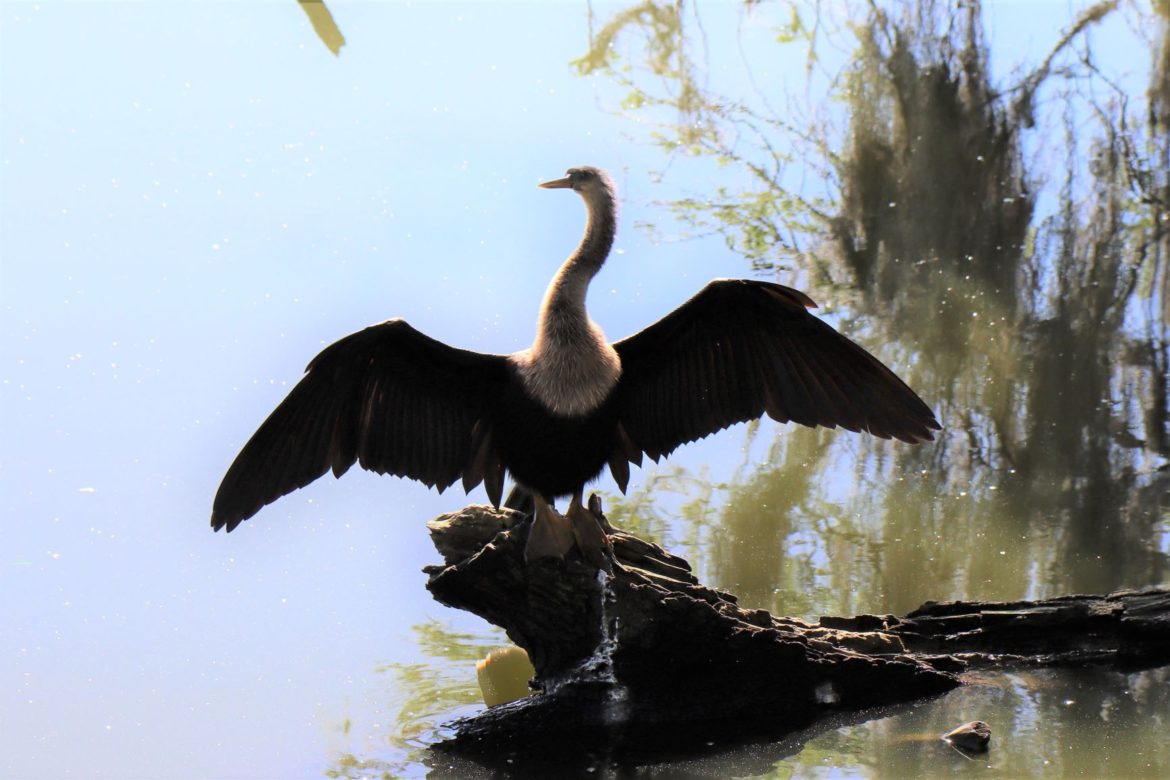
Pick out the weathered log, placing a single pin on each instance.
(1127, 629)
(648, 644)
(645, 647)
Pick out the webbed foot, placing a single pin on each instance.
(592, 539)
(550, 535)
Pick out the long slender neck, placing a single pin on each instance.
(571, 368)
(565, 297)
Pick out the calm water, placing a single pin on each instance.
(1045, 723)
(196, 197)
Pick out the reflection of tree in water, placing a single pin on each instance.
(1007, 245)
(431, 690)
(1114, 719)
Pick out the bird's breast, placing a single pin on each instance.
(569, 373)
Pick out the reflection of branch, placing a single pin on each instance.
(1121, 139)
(1030, 84)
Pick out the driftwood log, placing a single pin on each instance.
(642, 650)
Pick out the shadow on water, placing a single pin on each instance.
(706, 751)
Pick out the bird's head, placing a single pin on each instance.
(592, 184)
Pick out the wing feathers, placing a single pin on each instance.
(398, 402)
(740, 349)
(795, 402)
(619, 467)
(388, 397)
(822, 406)
(493, 478)
(480, 446)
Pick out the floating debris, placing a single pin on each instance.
(971, 737)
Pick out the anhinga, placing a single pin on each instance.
(555, 414)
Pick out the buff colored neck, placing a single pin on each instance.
(571, 367)
(565, 297)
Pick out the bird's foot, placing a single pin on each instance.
(590, 533)
(553, 535)
(550, 535)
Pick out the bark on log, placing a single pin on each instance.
(646, 647)
(1127, 629)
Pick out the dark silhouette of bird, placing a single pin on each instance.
(554, 415)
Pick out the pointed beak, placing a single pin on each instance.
(556, 184)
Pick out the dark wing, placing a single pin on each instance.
(741, 348)
(388, 397)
